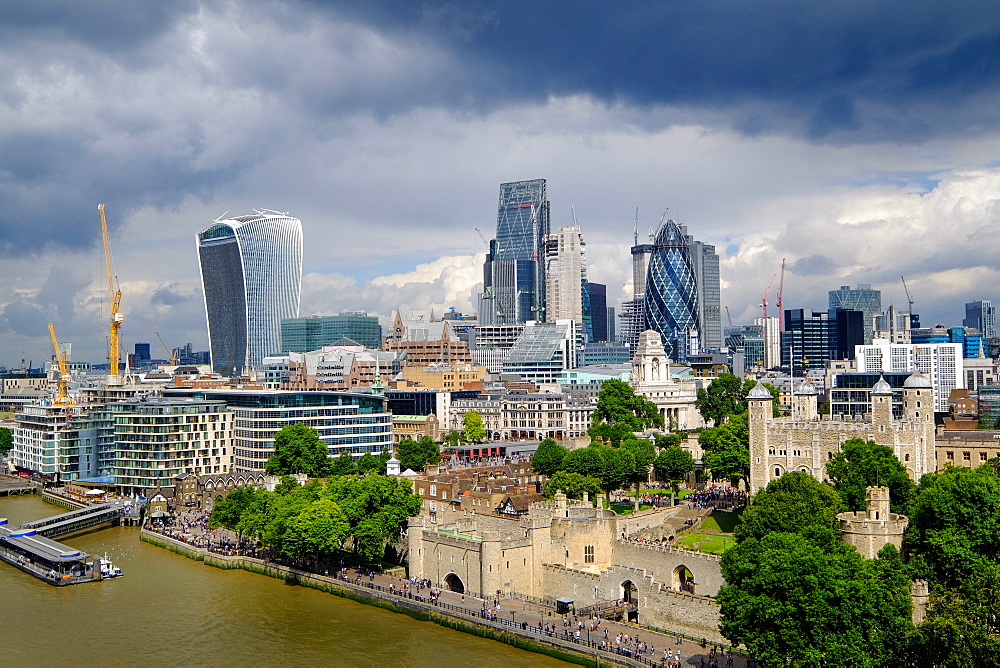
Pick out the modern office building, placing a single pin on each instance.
(861, 298)
(514, 272)
(770, 330)
(251, 272)
(565, 275)
(62, 443)
(671, 295)
(490, 344)
(347, 422)
(633, 311)
(142, 353)
(940, 362)
(544, 350)
(805, 341)
(599, 312)
(847, 331)
(705, 263)
(300, 335)
(971, 339)
(982, 316)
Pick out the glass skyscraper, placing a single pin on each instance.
(251, 272)
(861, 298)
(514, 290)
(671, 297)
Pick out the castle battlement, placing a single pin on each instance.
(667, 549)
(858, 522)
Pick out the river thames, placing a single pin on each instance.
(170, 610)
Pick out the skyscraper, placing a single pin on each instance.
(514, 273)
(671, 299)
(861, 298)
(982, 316)
(251, 271)
(633, 312)
(599, 310)
(565, 274)
(705, 263)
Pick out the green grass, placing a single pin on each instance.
(702, 542)
(680, 495)
(722, 522)
(626, 509)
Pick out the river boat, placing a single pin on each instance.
(108, 569)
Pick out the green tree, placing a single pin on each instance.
(369, 463)
(861, 464)
(453, 438)
(573, 485)
(344, 465)
(298, 449)
(726, 395)
(585, 461)
(472, 427)
(229, 510)
(619, 406)
(666, 440)
(610, 434)
(376, 507)
(617, 470)
(954, 527)
(673, 464)
(792, 601)
(643, 453)
(727, 449)
(794, 503)
(317, 530)
(548, 458)
(6, 441)
(417, 454)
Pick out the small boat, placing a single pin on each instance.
(108, 569)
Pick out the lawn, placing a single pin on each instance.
(704, 542)
(723, 522)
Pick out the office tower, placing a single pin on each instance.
(514, 291)
(251, 271)
(300, 335)
(705, 263)
(982, 316)
(612, 333)
(142, 353)
(941, 362)
(893, 325)
(861, 298)
(599, 311)
(633, 311)
(805, 343)
(671, 297)
(848, 330)
(565, 274)
(770, 331)
(544, 351)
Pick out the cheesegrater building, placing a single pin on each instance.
(251, 272)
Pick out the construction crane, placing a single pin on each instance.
(781, 290)
(485, 242)
(115, 297)
(170, 351)
(729, 316)
(909, 300)
(62, 397)
(763, 301)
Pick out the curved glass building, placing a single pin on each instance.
(251, 271)
(671, 299)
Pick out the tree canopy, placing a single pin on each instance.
(6, 441)
(861, 464)
(620, 407)
(673, 464)
(794, 503)
(417, 454)
(727, 449)
(726, 396)
(573, 485)
(472, 427)
(548, 458)
(298, 449)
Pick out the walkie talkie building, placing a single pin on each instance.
(251, 272)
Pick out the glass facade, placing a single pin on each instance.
(251, 272)
(302, 335)
(861, 298)
(516, 260)
(671, 296)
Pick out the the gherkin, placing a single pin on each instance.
(671, 300)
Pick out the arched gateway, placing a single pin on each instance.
(454, 583)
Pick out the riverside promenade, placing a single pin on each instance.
(530, 625)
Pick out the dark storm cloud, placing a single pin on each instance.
(814, 265)
(167, 296)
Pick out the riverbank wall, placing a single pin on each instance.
(442, 614)
(62, 501)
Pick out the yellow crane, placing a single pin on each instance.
(115, 298)
(62, 398)
(171, 352)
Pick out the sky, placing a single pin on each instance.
(858, 141)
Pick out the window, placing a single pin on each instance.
(777, 472)
(967, 456)
(949, 455)
(982, 456)
(588, 554)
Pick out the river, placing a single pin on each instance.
(170, 610)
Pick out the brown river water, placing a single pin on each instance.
(168, 610)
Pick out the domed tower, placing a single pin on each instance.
(881, 405)
(918, 407)
(759, 407)
(804, 401)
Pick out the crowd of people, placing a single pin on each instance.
(721, 498)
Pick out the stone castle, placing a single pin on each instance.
(806, 440)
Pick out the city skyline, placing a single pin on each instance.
(860, 157)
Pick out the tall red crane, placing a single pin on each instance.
(763, 301)
(781, 289)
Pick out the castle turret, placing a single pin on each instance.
(759, 414)
(869, 531)
(804, 399)
(919, 596)
(918, 406)
(881, 405)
